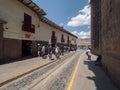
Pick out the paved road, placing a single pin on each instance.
(74, 72)
(30, 80)
(59, 79)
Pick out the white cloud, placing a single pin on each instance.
(82, 34)
(75, 33)
(83, 18)
(88, 1)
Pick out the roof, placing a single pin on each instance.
(46, 20)
(31, 5)
(40, 12)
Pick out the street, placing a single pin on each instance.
(59, 79)
(73, 72)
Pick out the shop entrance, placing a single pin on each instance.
(26, 48)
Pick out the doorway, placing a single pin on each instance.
(26, 48)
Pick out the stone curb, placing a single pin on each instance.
(30, 71)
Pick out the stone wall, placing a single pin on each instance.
(110, 26)
(95, 26)
(105, 22)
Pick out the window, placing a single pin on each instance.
(27, 19)
(27, 24)
(62, 38)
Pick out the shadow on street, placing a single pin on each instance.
(101, 80)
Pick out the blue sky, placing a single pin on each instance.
(73, 15)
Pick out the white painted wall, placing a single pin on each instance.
(12, 11)
(44, 32)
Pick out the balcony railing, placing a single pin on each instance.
(28, 28)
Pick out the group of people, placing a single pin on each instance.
(45, 51)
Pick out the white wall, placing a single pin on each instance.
(12, 11)
(44, 32)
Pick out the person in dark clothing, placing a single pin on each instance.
(62, 50)
(50, 52)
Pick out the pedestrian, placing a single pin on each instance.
(88, 53)
(62, 50)
(50, 52)
(67, 49)
(57, 52)
(43, 51)
(39, 50)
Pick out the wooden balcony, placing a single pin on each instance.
(28, 28)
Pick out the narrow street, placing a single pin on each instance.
(72, 72)
(59, 78)
(61, 68)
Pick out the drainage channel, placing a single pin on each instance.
(29, 78)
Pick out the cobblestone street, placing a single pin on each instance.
(58, 76)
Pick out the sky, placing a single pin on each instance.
(73, 15)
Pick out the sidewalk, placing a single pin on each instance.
(91, 77)
(11, 70)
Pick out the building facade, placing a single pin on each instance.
(23, 26)
(83, 43)
(105, 28)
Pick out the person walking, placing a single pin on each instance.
(88, 53)
(39, 50)
(62, 50)
(50, 52)
(57, 52)
(43, 51)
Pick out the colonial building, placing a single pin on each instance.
(23, 26)
(83, 43)
(105, 28)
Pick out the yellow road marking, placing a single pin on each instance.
(73, 76)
